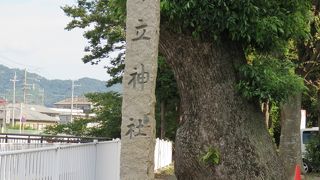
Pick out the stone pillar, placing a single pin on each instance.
(138, 121)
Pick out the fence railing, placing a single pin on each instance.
(21, 146)
(36, 138)
(89, 161)
(71, 162)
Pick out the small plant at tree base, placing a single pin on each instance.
(212, 157)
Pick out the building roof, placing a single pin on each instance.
(75, 112)
(37, 116)
(68, 111)
(33, 107)
(3, 102)
(41, 109)
(76, 100)
(32, 113)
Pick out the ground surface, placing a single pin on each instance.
(311, 176)
(166, 173)
(165, 177)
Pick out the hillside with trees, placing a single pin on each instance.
(44, 91)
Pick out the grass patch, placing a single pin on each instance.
(168, 170)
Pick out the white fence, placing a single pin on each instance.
(90, 161)
(162, 154)
(71, 162)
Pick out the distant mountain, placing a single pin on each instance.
(43, 91)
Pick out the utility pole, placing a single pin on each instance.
(72, 92)
(5, 116)
(25, 87)
(20, 117)
(14, 80)
(4, 120)
(42, 96)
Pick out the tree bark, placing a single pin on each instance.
(213, 115)
(318, 107)
(290, 141)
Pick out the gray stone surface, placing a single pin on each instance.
(138, 122)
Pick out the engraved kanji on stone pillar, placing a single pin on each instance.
(139, 80)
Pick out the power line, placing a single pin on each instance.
(10, 60)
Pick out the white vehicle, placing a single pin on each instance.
(306, 134)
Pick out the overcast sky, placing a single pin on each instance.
(33, 37)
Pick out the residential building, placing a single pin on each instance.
(34, 116)
(78, 103)
(65, 114)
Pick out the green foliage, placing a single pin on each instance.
(108, 116)
(256, 23)
(77, 128)
(17, 126)
(166, 86)
(313, 153)
(310, 104)
(275, 130)
(269, 79)
(167, 92)
(308, 66)
(212, 157)
(171, 117)
(104, 22)
(107, 107)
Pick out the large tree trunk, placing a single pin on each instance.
(318, 108)
(214, 116)
(290, 142)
